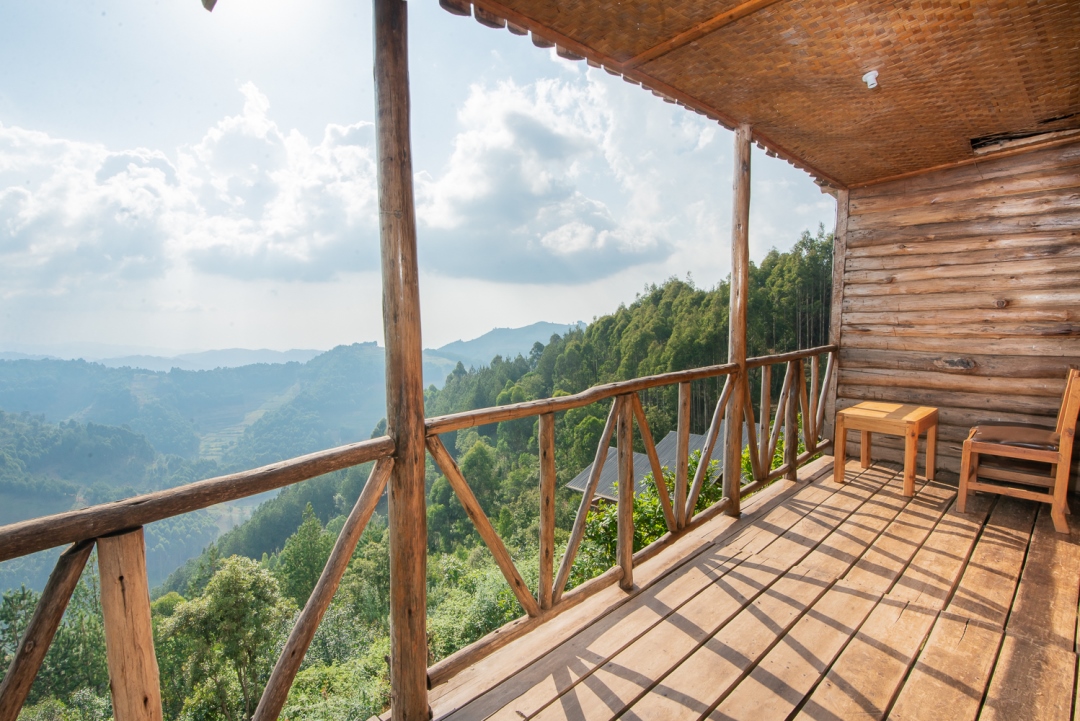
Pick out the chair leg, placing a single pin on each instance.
(965, 474)
(1060, 505)
(1053, 472)
(839, 449)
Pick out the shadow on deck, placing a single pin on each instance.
(821, 602)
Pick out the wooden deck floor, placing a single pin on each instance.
(821, 602)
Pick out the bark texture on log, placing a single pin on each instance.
(740, 283)
(129, 636)
(404, 381)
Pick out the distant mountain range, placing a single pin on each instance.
(75, 432)
(238, 408)
(505, 342)
(438, 362)
(211, 359)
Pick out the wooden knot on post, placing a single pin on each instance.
(1001, 303)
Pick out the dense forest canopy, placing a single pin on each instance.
(220, 618)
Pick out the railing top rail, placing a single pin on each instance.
(767, 360)
(38, 534)
(514, 411)
(484, 416)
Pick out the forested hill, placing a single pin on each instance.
(74, 433)
(230, 415)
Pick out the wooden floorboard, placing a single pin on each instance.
(822, 602)
(470, 687)
(953, 668)
(783, 678)
(805, 564)
(561, 668)
(864, 680)
(1031, 681)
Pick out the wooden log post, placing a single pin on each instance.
(751, 429)
(764, 427)
(404, 381)
(791, 421)
(835, 312)
(624, 547)
(547, 509)
(682, 459)
(810, 421)
(740, 280)
(804, 408)
(129, 636)
(39, 633)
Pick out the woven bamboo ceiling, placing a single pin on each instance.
(949, 72)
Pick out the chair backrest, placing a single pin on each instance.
(1070, 403)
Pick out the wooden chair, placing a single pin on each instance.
(1026, 443)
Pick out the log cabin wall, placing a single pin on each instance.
(962, 291)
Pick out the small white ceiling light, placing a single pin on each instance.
(870, 79)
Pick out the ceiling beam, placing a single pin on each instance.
(698, 31)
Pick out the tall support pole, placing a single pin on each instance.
(404, 382)
(837, 309)
(548, 481)
(682, 461)
(740, 280)
(624, 545)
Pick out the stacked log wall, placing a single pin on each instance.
(962, 291)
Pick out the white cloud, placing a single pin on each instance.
(578, 187)
(248, 200)
(550, 182)
(558, 181)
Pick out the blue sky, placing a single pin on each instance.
(172, 179)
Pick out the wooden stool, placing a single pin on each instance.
(894, 419)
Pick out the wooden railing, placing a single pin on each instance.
(116, 528)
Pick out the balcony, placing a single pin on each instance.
(956, 267)
(823, 601)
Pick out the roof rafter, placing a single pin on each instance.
(698, 31)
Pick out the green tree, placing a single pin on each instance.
(301, 561)
(172, 654)
(16, 608)
(230, 632)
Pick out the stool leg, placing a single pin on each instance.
(864, 449)
(911, 448)
(931, 451)
(839, 449)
